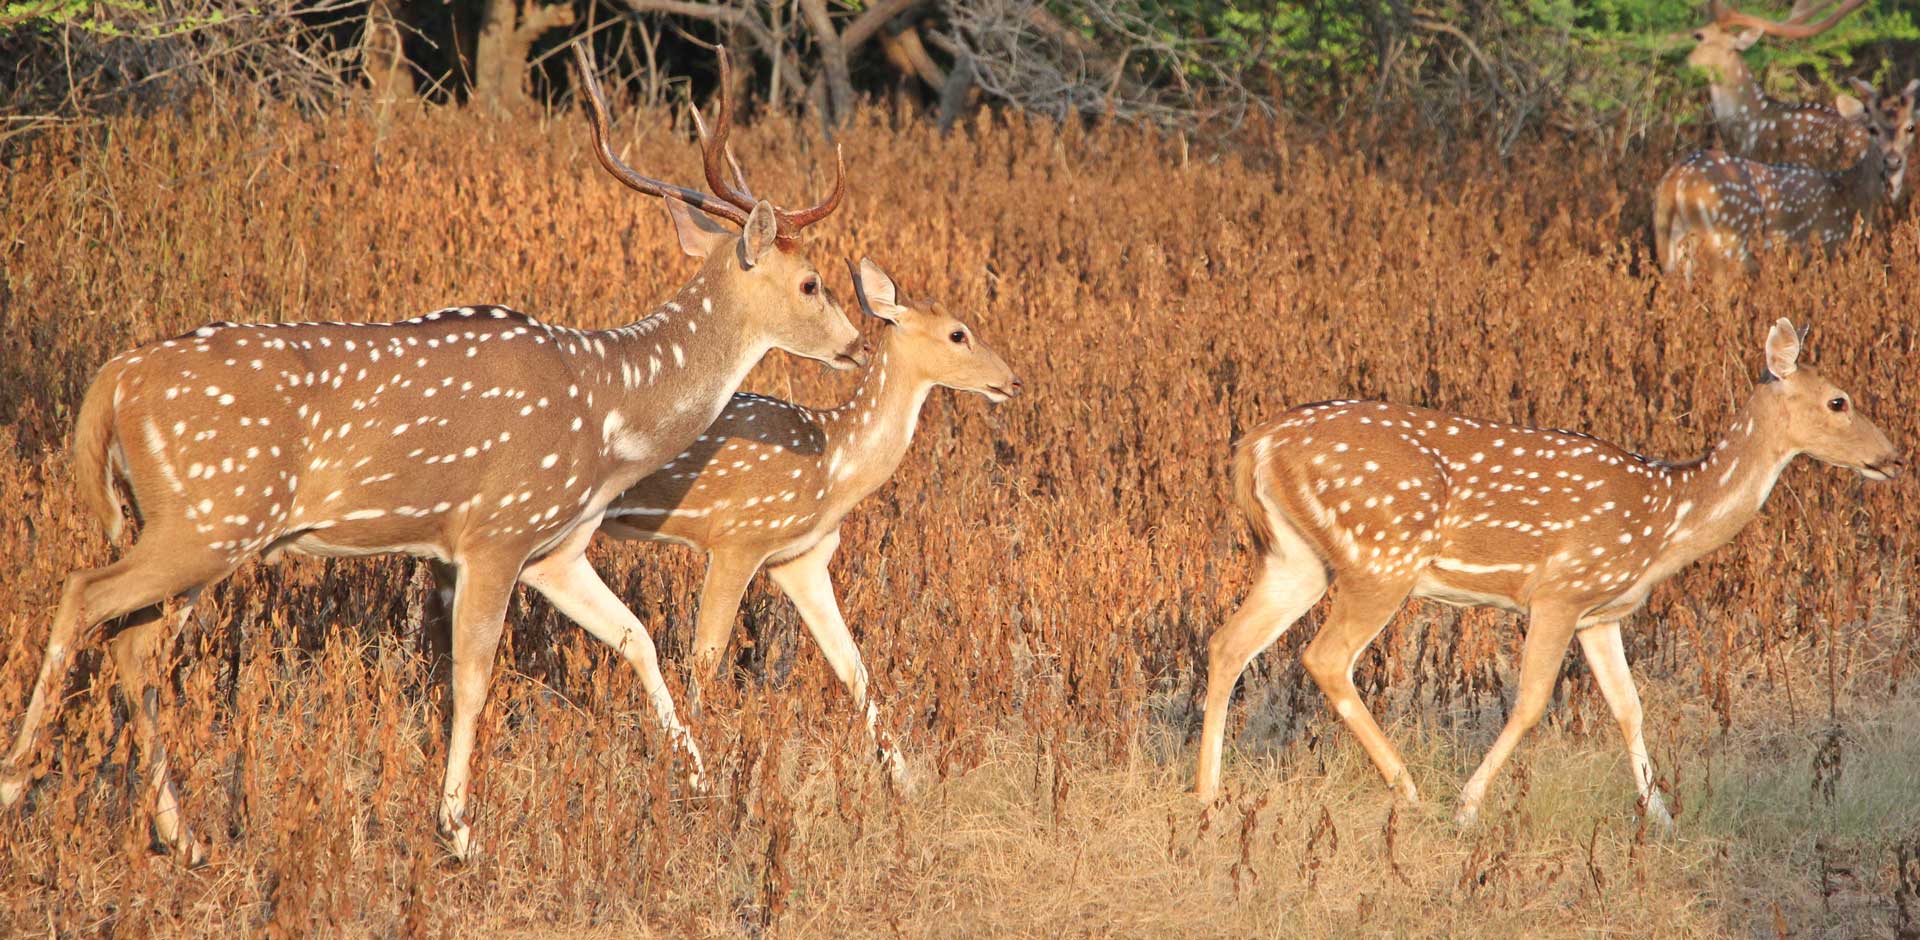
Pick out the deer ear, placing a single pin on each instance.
(758, 237)
(1745, 39)
(878, 295)
(699, 234)
(1783, 348)
(1912, 89)
(1850, 107)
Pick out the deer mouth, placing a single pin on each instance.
(1883, 469)
(852, 357)
(1000, 393)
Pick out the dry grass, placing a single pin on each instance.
(1032, 591)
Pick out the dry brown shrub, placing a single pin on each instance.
(1031, 592)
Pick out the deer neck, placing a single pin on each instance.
(656, 384)
(1711, 499)
(1865, 182)
(869, 434)
(1738, 105)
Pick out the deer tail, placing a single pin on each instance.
(1246, 496)
(93, 441)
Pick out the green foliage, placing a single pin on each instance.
(1598, 54)
(110, 19)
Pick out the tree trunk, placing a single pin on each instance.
(507, 34)
(908, 55)
(833, 58)
(954, 94)
(382, 56)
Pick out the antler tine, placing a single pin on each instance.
(1789, 29)
(739, 176)
(603, 149)
(715, 149)
(806, 217)
(1806, 9)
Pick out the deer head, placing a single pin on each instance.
(1718, 44)
(1889, 123)
(936, 344)
(1818, 418)
(758, 269)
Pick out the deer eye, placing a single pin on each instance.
(1838, 405)
(958, 336)
(810, 286)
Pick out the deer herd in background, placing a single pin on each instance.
(495, 445)
(1787, 174)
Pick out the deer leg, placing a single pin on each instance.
(1607, 658)
(567, 580)
(436, 632)
(726, 582)
(480, 599)
(1549, 630)
(1358, 615)
(807, 583)
(153, 570)
(139, 656)
(1284, 590)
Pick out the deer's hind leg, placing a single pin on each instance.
(1291, 580)
(1360, 611)
(139, 650)
(166, 563)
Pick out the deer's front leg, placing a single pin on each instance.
(575, 589)
(1549, 630)
(1607, 657)
(483, 588)
(806, 582)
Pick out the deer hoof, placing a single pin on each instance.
(13, 785)
(1658, 819)
(1464, 819)
(458, 836)
(904, 779)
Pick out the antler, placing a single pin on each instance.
(739, 175)
(597, 119)
(806, 217)
(714, 148)
(736, 192)
(732, 201)
(1794, 27)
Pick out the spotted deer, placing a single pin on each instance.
(477, 436)
(1732, 206)
(768, 485)
(1758, 127)
(1394, 502)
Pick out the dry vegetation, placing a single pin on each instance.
(1033, 591)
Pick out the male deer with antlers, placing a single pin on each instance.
(476, 436)
(1756, 126)
(1395, 501)
(1731, 205)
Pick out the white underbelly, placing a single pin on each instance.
(1434, 589)
(312, 544)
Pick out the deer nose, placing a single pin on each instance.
(1014, 387)
(859, 352)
